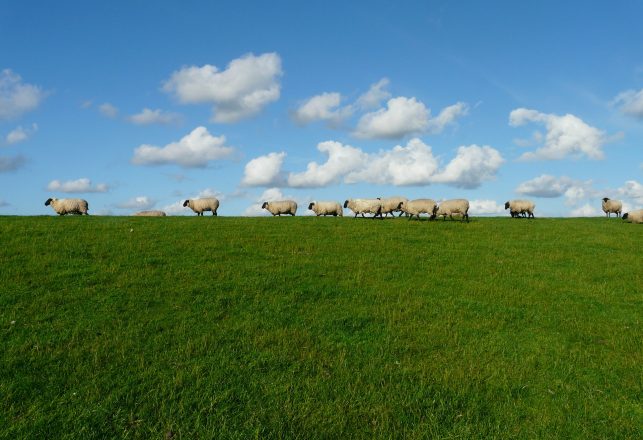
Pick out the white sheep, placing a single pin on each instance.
(391, 205)
(68, 206)
(150, 214)
(281, 207)
(201, 205)
(520, 207)
(610, 206)
(365, 206)
(419, 206)
(455, 206)
(634, 216)
(326, 208)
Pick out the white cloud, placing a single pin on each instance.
(485, 207)
(246, 86)
(633, 190)
(545, 186)
(20, 134)
(375, 95)
(17, 97)
(586, 210)
(11, 163)
(148, 116)
(410, 165)
(630, 102)
(137, 203)
(82, 185)
(195, 149)
(341, 160)
(447, 116)
(108, 110)
(566, 136)
(402, 116)
(471, 166)
(324, 107)
(264, 170)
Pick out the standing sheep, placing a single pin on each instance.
(455, 206)
(391, 205)
(326, 208)
(281, 207)
(419, 206)
(68, 206)
(518, 207)
(201, 205)
(634, 216)
(365, 206)
(610, 206)
(150, 214)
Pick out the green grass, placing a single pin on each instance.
(320, 328)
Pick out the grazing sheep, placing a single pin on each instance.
(201, 205)
(419, 206)
(281, 207)
(326, 208)
(610, 206)
(68, 206)
(150, 214)
(365, 206)
(634, 216)
(391, 205)
(520, 207)
(456, 206)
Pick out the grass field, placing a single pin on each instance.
(122, 327)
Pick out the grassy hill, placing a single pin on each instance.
(186, 327)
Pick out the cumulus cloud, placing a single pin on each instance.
(148, 117)
(413, 164)
(375, 95)
(20, 134)
(194, 150)
(16, 96)
(137, 203)
(630, 103)
(11, 163)
(447, 116)
(545, 186)
(633, 190)
(108, 110)
(264, 170)
(567, 135)
(586, 210)
(402, 116)
(246, 86)
(485, 207)
(324, 107)
(471, 166)
(83, 185)
(341, 160)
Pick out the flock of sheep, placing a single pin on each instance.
(380, 207)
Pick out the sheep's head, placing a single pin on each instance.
(346, 204)
(605, 199)
(625, 216)
(48, 202)
(265, 205)
(311, 205)
(506, 205)
(186, 203)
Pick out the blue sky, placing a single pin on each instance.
(139, 105)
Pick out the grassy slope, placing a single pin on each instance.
(319, 328)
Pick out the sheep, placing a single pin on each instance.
(456, 206)
(610, 206)
(518, 207)
(200, 205)
(365, 206)
(634, 216)
(150, 214)
(326, 208)
(392, 204)
(281, 207)
(68, 206)
(419, 206)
